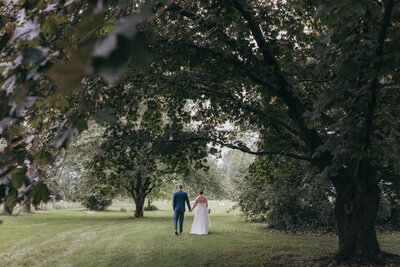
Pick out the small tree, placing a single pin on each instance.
(96, 201)
(127, 160)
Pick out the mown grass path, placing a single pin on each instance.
(112, 238)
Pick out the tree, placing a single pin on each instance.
(34, 38)
(236, 166)
(135, 160)
(317, 79)
(284, 193)
(69, 175)
(305, 81)
(210, 178)
(122, 164)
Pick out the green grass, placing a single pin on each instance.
(69, 237)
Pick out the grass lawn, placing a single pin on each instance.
(70, 237)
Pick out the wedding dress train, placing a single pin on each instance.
(201, 220)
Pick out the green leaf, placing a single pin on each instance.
(65, 137)
(12, 200)
(34, 56)
(18, 178)
(104, 115)
(213, 150)
(35, 120)
(115, 51)
(81, 125)
(49, 26)
(13, 131)
(68, 75)
(44, 157)
(40, 193)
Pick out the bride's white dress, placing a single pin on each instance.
(201, 220)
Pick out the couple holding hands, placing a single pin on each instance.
(201, 220)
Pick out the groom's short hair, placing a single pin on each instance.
(180, 186)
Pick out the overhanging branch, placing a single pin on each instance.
(284, 90)
(261, 153)
(245, 52)
(200, 137)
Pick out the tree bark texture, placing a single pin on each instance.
(7, 210)
(139, 202)
(356, 209)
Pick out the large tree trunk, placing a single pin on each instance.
(7, 210)
(139, 202)
(356, 208)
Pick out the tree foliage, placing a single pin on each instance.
(318, 80)
(285, 194)
(236, 166)
(69, 175)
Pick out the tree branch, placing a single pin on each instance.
(226, 95)
(199, 137)
(160, 11)
(313, 81)
(148, 191)
(126, 187)
(277, 84)
(388, 5)
(245, 52)
(253, 25)
(283, 89)
(261, 153)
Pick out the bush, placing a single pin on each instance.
(150, 207)
(388, 216)
(291, 196)
(285, 195)
(96, 202)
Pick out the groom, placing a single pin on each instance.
(178, 204)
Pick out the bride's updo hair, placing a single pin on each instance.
(201, 191)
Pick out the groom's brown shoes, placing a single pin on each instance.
(176, 233)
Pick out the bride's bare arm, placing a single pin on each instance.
(206, 203)
(195, 204)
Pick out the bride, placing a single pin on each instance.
(201, 220)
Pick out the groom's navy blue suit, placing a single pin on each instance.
(178, 204)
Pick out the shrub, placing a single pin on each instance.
(286, 196)
(96, 202)
(150, 207)
(290, 196)
(388, 216)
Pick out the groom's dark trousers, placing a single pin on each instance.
(178, 204)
